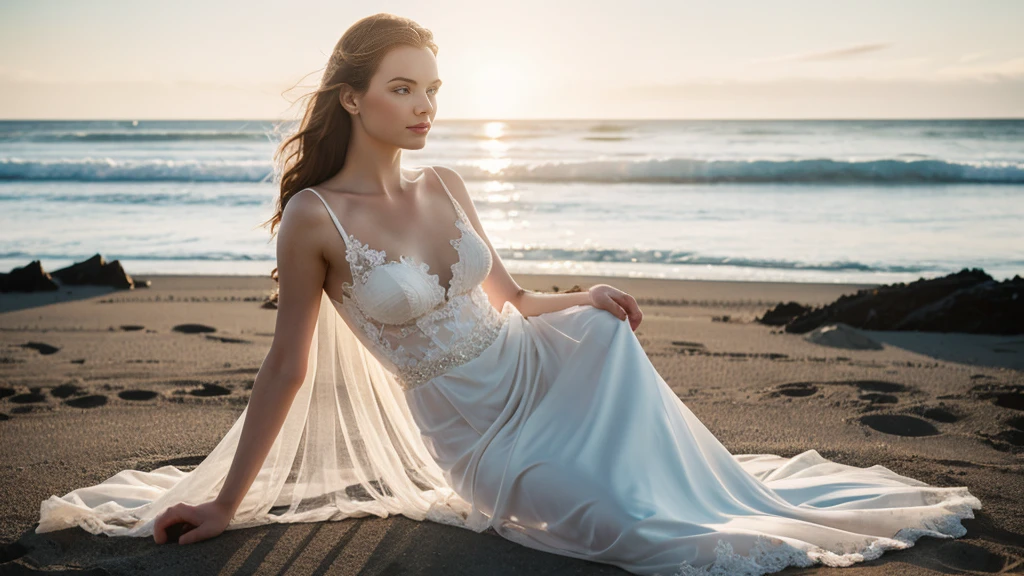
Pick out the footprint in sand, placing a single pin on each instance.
(1004, 396)
(965, 557)
(227, 340)
(876, 386)
(193, 328)
(41, 347)
(1012, 400)
(1010, 438)
(65, 391)
(937, 413)
(873, 391)
(684, 347)
(210, 390)
(4, 417)
(92, 401)
(137, 395)
(795, 390)
(30, 397)
(899, 425)
(878, 398)
(685, 344)
(5, 392)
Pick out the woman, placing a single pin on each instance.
(447, 392)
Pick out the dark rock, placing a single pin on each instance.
(96, 271)
(968, 301)
(987, 308)
(30, 278)
(783, 313)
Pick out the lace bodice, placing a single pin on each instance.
(406, 318)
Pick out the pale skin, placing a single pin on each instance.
(401, 213)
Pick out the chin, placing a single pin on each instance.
(417, 144)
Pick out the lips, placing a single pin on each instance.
(421, 125)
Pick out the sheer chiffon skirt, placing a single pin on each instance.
(563, 437)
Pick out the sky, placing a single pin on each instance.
(642, 59)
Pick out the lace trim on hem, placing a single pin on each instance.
(770, 555)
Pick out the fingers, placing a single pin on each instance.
(632, 309)
(177, 514)
(614, 307)
(198, 534)
(165, 519)
(628, 303)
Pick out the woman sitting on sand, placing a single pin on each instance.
(410, 374)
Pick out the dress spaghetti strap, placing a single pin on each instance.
(458, 207)
(337, 224)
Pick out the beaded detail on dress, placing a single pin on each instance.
(409, 321)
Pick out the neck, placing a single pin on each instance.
(371, 166)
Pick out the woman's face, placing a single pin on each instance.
(402, 94)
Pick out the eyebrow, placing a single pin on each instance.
(410, 80)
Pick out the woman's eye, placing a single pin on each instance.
(407, 90)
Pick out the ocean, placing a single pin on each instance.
(805, 201)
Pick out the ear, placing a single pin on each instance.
(349, 99)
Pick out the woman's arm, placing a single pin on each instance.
(501, 287)
(301, 271)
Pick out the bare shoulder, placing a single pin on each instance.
(455, 184)
(304, 219)
(304, 207)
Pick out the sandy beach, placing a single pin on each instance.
(96, 381)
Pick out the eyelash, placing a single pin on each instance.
(406, 88)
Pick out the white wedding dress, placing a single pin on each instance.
(554, 430)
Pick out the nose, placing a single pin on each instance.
(423, 105)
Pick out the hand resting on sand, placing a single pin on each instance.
(187, 524)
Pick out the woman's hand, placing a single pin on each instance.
(189, 524)
(617, 302)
